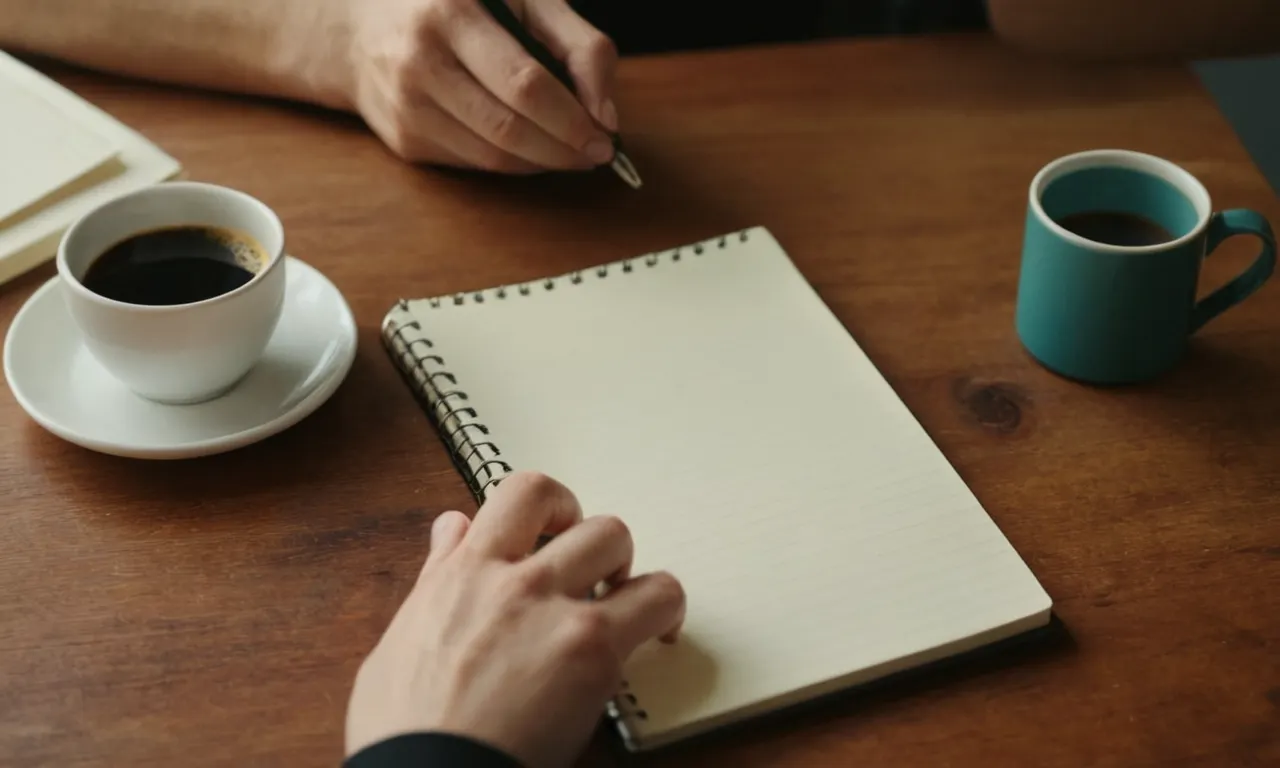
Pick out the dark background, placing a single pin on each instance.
(1245, 88)
(651, 26)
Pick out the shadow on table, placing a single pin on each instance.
(1217, 388)
(1217, 407)
(600, 206)
(1038, 647)
(314, 454)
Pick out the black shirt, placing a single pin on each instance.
(648, 26)
(430, 750)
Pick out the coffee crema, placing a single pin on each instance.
(1115, 228)
(176, 265)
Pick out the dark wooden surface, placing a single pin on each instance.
(212, 612)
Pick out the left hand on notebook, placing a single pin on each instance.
(499, 645)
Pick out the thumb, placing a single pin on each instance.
(447, 532)
(589, 54)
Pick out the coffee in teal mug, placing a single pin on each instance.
(1111, 259)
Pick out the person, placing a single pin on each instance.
(496, 659)
(441, 83)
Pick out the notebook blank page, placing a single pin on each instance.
(717, 406)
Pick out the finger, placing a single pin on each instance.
(646, 607)
(459, 93)
(417, 130)
(431, 126)
(447, 532)
(592, 58)
(523, 507)
(505, 69)
(598, 550)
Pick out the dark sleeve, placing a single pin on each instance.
(430, 750)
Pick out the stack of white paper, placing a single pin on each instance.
(59, 157)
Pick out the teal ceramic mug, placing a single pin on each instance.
(1111, 259)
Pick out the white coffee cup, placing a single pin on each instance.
(182, 353)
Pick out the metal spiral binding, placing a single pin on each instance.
(624, 706)
(458, 424)
(477, 460)
(626, 266)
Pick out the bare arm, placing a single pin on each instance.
(266, 47)
(438, 80)
(1120, 30)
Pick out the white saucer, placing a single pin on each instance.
(64, 389)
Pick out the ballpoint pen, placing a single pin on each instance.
(505, 17)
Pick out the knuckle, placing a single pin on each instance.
(533, 577)
(431, 15)
(599, 47)
(535, 487)
(528, 81)
(587, 634)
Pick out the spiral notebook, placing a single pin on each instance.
(708, 397)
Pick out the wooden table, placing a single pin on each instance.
(212, 612)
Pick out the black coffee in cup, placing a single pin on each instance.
(1115, 228)
(176, 265)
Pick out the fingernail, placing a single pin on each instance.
(609, 115)
(600, 150)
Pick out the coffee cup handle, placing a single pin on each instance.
(1223, 225)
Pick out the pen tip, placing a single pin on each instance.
(623, 167)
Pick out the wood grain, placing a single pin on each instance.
(212, 612)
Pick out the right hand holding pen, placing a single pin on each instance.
(499, 645)
(440, 81)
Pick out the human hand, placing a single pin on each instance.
(499, 645)
(440, 81)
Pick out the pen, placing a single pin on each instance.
(507, 19)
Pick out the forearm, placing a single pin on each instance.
(1118, 30)
(287, 48)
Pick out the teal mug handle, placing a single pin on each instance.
(1223, 225)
